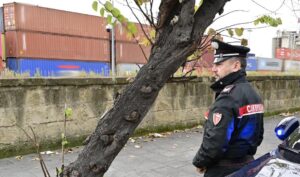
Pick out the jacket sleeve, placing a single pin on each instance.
(261, 132)
(216, 136)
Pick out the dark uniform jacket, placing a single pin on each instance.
(234, 125)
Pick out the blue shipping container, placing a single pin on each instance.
(44, 67)
(251, 64)
(269, 64)
(1, 20)
(250, 55)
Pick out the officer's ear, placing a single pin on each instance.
(236, 65)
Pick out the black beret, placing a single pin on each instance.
(226, 51)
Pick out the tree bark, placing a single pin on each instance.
(175, 41)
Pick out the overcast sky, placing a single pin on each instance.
(260, 40)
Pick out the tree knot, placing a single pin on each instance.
(146, 89)
(133, 116)
(70, 172)
(107, 139)
(174, 20)
(97, 169)
(75, 173)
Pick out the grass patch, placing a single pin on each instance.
(27, 148)
(273, 113)
(164, 128)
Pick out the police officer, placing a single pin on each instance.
(234, 124)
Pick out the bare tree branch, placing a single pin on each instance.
(257, 27)
(230, 37)
(37, 148)
(203, 13)
(294, 9)
(205, 45)
(229, 13)
(151, 10)
(205, 42)
(189, 72)
(140, 47)
(145, 15)
(137, 9)
(43, 165)
(144, 54)
(272, 11)
(280, 6)
(197, 58)
(134, 8)
(227, 27)
(141, 25)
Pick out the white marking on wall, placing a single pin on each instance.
(24, 41)
(121, 29)
(121, 50)
(22, 14)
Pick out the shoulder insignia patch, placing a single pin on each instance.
(206, 115)
(217, 118)
(227, 89)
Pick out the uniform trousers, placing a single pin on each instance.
(227, 166)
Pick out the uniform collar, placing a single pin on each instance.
(232, 78)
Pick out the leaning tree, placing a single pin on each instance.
(179, 29)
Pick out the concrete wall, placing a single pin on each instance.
(40, 103)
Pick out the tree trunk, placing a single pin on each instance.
(175, 41)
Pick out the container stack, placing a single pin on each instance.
(263, 64)
(129, 55)
(2, 46)
(52, 42)
(290, 57)
(204, 63)
(251, 62)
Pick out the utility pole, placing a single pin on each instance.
(113, 61)
(111, 30)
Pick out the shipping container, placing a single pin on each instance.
(3, 48)
(2, 53)
(21, 44)
(286, 53)
(128, 52)
(50, 67)
(1, 20)
(251, 64)
(282, 53)
(122, 34)
(204, 64)
(269, 64)
(205, 61)
(291, 65)
(125, 69)
(276, 43)
(294, 55)
(250, 55)
(26, 17)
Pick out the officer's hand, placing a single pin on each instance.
(201, 170)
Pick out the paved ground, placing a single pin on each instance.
(170, 156)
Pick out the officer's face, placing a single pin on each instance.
(224, 68)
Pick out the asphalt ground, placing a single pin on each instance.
(158, 155)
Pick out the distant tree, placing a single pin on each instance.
(179, 29)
